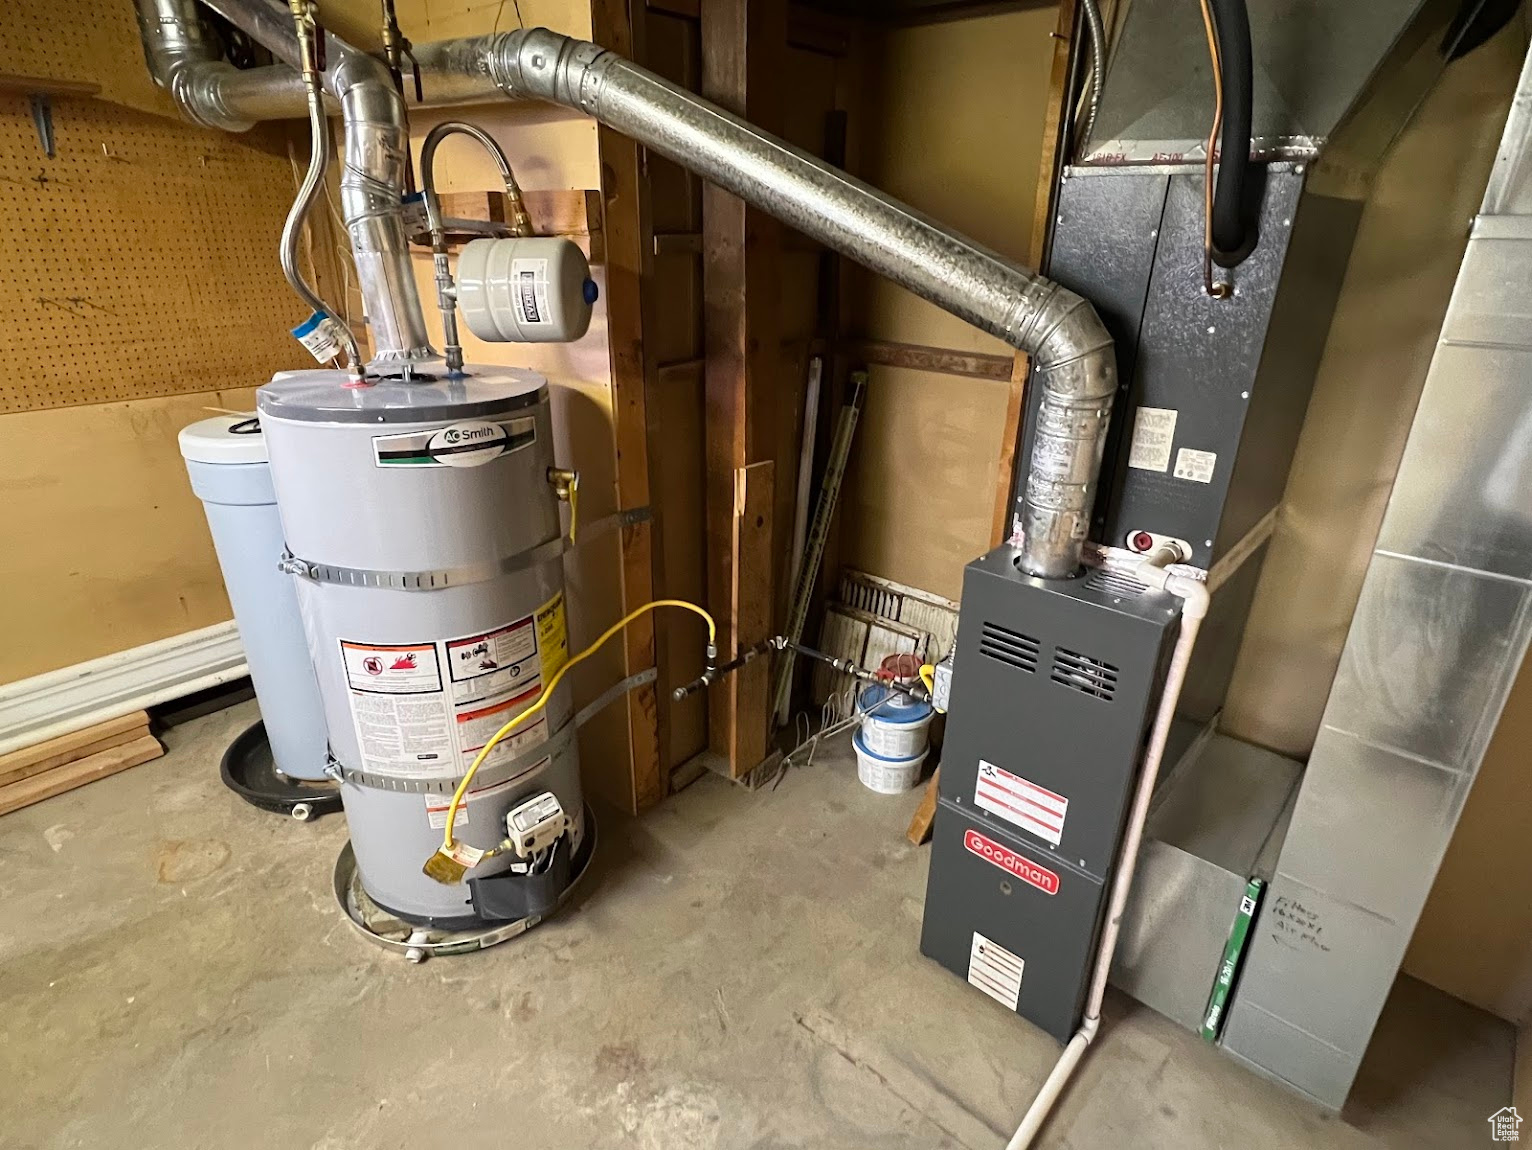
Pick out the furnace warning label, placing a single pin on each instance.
(1034, 809)
(426, 710)
(1195, 465)
(995, 971)
(1154, 429)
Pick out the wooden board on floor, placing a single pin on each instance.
(28, 761)
(925, 813)
(14, 796)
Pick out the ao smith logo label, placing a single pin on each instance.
(1011, 862)
(467, 444)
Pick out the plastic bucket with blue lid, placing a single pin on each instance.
(894, 726)
(884, 775)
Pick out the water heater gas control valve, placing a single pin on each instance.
(535, 824)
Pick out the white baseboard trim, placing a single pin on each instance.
(72, 698)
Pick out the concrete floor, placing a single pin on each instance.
(740, 973)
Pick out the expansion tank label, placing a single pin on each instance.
(471, 443)
(1020, 802)
(1154, 429)
(995, 970)
(530, 280)
(425, 710)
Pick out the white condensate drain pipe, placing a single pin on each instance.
(1194, 597)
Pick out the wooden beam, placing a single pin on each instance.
(624, 225)
(1053, 133)
(918, 357)
(743, 48)
(815, 31)
(573, 212)
(1010, 448)
(1053, 159)
(678, 243)
(687, 9)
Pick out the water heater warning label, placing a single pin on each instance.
(392, 670)
(412, 720)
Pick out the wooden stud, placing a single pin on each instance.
(1052, 157)
(686, 9)
(14, 796)
(624, 224)
(743, 45)
(1053, 133)
(918, 357)
(1010, 448)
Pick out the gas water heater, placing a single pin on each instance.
(422, 528)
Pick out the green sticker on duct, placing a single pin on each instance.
(472, 443)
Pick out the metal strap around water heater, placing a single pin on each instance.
(442, 577)
(490, 776)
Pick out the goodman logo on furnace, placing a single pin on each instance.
(468, 444)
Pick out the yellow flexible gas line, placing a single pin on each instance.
(547, 693)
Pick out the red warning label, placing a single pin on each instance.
(1011, 862)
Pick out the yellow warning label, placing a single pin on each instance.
(552, 636)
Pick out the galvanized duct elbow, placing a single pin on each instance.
(373, 157)
(1073, 361)
(184, 60)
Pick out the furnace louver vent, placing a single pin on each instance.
(1115, 583)
(1009, 647)
(1086, 675)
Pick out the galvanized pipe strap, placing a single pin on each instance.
(440, 578)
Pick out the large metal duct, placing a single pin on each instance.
(1442, 627)
(183, 60)
(1073, 362)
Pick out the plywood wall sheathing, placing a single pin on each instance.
(951, 120)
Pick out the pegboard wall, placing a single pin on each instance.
(141, 260)
(81, 41)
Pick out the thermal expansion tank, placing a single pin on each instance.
(425, 544)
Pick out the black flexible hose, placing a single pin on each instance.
(1233, 236)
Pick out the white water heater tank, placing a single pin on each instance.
(427, 555)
